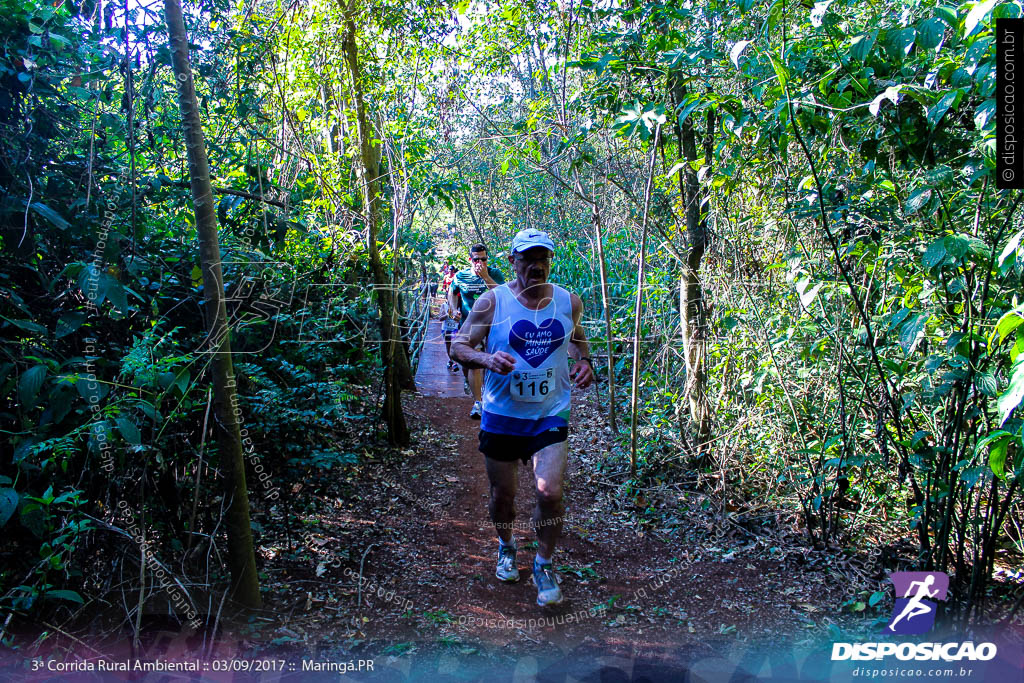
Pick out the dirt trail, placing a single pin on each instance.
(436, 549)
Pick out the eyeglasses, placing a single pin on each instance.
(479, 259)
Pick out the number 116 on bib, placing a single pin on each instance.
(531, 387)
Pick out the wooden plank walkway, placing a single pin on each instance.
(433, 378)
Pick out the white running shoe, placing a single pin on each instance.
(546, 581)
(476, 411)
(507, 570)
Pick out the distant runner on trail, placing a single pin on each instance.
(467, 286)
(531, 328)
(449, 327)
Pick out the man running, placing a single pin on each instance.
(467, 286)
(531, 328)
(449, 327)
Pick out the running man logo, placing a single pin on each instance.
(914, 611)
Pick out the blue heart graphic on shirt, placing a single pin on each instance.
(534, 343)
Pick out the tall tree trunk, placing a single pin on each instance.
(692, 306)
(393, 350)
(245, 587)
(603, 270)
(638, 310)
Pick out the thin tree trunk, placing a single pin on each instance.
(638, 309)
(594, 305)
(469, 207)
(245, 587)
(603, 269)
(398, 431)
(330, 129)
(595, 215)
(691, 296)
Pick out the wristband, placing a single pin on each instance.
(589, 360)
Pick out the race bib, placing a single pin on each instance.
(533, 386)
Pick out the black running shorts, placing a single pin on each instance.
(509, 448)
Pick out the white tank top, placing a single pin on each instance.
(535, 396)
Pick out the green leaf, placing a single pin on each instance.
(1017, 349)
(50, 215)
(58, 42)
(956, 246)
(807, 294)
(934, 255)
(8, 504)
(780, 70)
(912, 331)
(978, 248)
(129, 431)
(860, 46)
(948, 100)
(929, 33)
(737, 50)
(916, 200)
(88, 387)
(676, 168)
(891, 93)
(984, 113)
(1011, 247)
(181, 382)
(986, 383)
(1006, 10)
(999, 439)
(1011, 398)
(948, 15)
(26, 325)
(876, 597)
(692, 104)
(68, 323)
(91, 285)
(972, 475)
(1010, 321)
(30, 384)
(899, 316)
(114, 292)
(976, 14)
(70, 596)
(898, 42)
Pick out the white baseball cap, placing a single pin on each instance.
(530, 238)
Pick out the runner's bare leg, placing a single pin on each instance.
(476, 380)
(549, 472)
(503, 478)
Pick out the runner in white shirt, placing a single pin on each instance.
(531, 327)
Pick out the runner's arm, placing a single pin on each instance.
(579, 348)
(473, 332)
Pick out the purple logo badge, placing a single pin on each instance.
(534, 343)
(914, 611)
